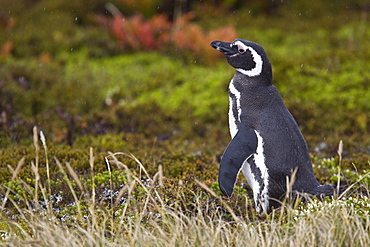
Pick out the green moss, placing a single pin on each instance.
(53, 27)
(324, 85)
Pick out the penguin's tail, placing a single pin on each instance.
(329, 190)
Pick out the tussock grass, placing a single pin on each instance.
(149, 212)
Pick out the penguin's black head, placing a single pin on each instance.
(246, 57)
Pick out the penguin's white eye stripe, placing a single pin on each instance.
(241, 47)
(256, 58)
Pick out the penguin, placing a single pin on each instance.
(267, 144)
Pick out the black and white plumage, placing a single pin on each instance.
(267, 145)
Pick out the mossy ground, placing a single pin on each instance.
(169, 110)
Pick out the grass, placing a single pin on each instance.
(148, 209)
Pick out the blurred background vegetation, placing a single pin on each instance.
(89, 68)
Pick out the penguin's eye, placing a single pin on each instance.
(241, 48)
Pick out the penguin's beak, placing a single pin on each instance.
(225, 47)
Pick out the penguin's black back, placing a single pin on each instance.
(264, 111)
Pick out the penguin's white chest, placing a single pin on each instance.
(254, 168)
(234, 109)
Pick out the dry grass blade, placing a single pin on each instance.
(35, 167)
(93, 192)
(120, 165)
(159, 176)
(129, 187)
(110, 177)
(77, 201)
(142, 168)
(14, 176)
(340, 151)
(231, 211)
(74, 176)
(353, 185)
(43, 141)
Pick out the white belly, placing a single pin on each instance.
(251, 179)
(260, 195)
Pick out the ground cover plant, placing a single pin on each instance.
(113, 137)
(126, 204)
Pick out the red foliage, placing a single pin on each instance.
(6, 49)
(158, 33)
(191, 37)
(139, 34)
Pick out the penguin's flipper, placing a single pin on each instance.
(241, 147)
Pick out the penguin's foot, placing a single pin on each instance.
(329, 190)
